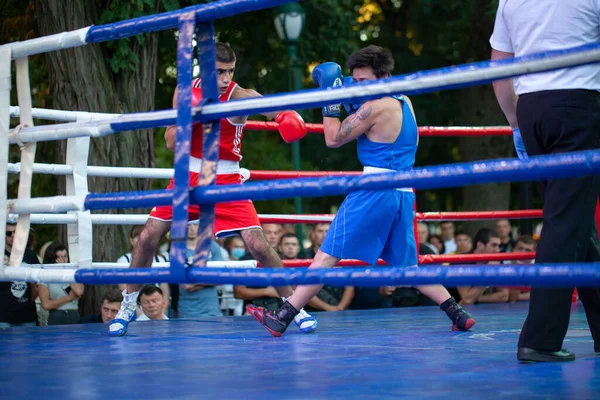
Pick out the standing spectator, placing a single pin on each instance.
(423, 236)
(557, 112)
(524, 243)
(235, 246)
(486, 242)
(272, 233)
(448, 231)
(289, 246)
(60, 300)
(316, 236)
(196, 300)
(464, 243)
(109, 307)
(438, 244)
(504, 230)
(17, 299)
(134, 238)
(151, 301)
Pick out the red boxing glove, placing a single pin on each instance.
(196, 96)
(291, 126)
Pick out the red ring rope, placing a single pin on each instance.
(423, 130)
(427, 216)
(429, 259)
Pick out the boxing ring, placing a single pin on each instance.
(355, 354)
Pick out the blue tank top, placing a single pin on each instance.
(397, 156)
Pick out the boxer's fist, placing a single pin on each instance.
(519, 145)
(326, 75)
(291, 126)
(351, 108)
(196, 96)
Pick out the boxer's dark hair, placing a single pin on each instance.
(224, 53)
(378, 58)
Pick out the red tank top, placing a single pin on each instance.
(230, 145)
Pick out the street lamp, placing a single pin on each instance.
(289, 22)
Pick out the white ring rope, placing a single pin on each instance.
(109, 172)
(64, 273)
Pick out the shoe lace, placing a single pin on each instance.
(301, 315)
(127, 310)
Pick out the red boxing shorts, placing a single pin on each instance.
(230, 217)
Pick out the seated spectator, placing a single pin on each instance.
(316, 237)
(17, 299)
(134, 237)
(504, 230)
(152, 303)
(448, 229)
(196, 300)
(266, 297)
(437, 242)
(423, 236)
(60, 300)
(486, 242)
(405, 296)
(109, 307)
(464, 243)
(367, 298)
(524, 243)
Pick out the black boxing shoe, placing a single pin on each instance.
(275, 321)
(525, 354)
(462, 320)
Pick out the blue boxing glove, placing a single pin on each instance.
(519, 145)
(327, 75)
(351, 108)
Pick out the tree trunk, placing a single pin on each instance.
(481, 109)
(81, 80)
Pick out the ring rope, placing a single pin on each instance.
(572, 165)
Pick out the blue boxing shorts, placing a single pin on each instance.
(373, 224)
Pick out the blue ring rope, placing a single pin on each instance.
(539, 275)
(451, 175)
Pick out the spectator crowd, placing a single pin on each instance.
(29, 304)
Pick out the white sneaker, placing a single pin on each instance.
(127, 313)
(306, 322)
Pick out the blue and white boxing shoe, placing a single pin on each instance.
(306, 322)
(127, 314)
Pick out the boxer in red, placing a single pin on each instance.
(238, 217)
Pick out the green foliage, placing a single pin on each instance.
(120, 56)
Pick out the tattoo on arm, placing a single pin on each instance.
(353, 121)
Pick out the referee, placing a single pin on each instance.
(550, 113)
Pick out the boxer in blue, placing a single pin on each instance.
(369, 224)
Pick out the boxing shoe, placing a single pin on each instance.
(306, 322)
(461, 320)
(531, 355)
(126, 314)
(275, 321)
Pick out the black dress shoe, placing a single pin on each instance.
(525, 354)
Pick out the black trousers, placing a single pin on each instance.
(63, 317)
(552, 122)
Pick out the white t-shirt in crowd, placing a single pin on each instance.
(449, 246)
(144, 317)
(533, 26)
